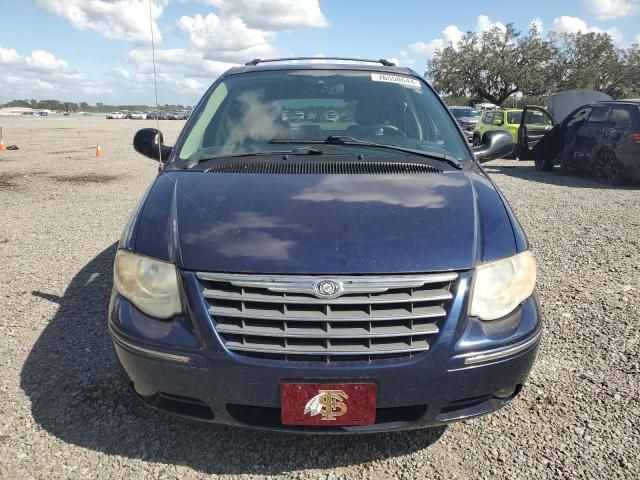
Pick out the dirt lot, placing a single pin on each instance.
(65, 414)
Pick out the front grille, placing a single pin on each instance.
(285, 318)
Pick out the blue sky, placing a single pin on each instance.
(99, 50)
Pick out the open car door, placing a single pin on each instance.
(535, 124)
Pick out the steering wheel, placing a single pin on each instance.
(386, 129)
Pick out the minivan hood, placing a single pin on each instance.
(340, 224)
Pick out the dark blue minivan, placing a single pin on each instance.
(322, 252)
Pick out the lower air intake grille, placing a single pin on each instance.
(332, 318)
(324, 168)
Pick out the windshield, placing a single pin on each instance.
(465, 112)
(245, 113)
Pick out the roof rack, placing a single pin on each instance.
(382, 61)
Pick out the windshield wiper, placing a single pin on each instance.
(295, 151)
(350, 141)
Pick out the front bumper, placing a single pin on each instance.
(181, 367)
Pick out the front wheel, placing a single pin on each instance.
(543, 164)
(607, 169)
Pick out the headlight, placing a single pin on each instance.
(151, 285)
(500, 286)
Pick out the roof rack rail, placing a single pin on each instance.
(382, 61)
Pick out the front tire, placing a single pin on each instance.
(543, 165)
(607, 169)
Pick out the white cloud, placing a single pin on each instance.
(41, 73)
(610, 9)
(226, 39)
(43, 61)
(122, 73)
(183, 75)
(193, 84)
(484, 23)
(189, 62)
(273, 14)
(123, 19)
(538, 23)
(567, 24)
(451, 35)
(9, 56)
(19, 82)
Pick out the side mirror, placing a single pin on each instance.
(149, 142)
(495, 144)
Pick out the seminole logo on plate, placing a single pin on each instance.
(328, 403)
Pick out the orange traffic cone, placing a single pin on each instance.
(2, 146)
(98, 151)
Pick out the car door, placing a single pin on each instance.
(589, 137)
(535, 124)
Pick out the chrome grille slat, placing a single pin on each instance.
(426, 312)
(283, 317)
(425, 296)
(323, 351)
(428, 329)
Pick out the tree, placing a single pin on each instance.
(494, 65)
(631, 71)
(70, 106)
(590, 61)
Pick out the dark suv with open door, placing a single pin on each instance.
(602, 138)
(322, 252)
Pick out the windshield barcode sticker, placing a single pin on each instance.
(385, 77)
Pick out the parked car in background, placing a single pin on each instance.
(485, 106)
(602, 138)
(159, 115)
(467, 118)
(138, 116)
(344, 277)
(115, 115)
(537, 120)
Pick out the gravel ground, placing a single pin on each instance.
(64, 413)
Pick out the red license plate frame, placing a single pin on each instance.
(328, 404)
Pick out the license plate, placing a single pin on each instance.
(328, 404)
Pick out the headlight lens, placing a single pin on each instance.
(151, 285)
(500, 286)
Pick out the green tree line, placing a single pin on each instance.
(495, 64)
(84, 106)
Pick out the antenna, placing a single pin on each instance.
(155, 81)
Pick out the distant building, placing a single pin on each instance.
(21, 111)
(16, 111)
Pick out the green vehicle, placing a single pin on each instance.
(538, 122)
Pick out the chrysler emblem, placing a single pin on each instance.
(327, 288)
